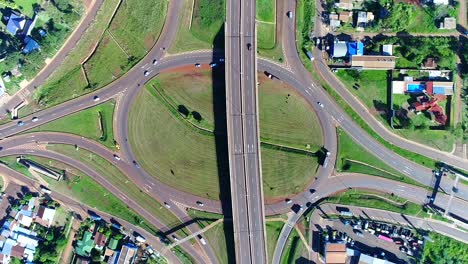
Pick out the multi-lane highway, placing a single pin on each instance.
(243, 137)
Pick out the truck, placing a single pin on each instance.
(309, 54)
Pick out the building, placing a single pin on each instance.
(15, 24)
(85, 245)
(387, 50)
(366, 259)
(45, 216)
(100, 240)
(448, 23)
(39, 168)
(126, 255)
(30, 45)
(344, 49)
(408, 86)
(440, 2)
(335, 253)
(334, 21)
(344, 16)
(345, 4)
(373, 62)
(363, 20)
(430, 64)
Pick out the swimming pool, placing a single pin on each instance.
(415, 87)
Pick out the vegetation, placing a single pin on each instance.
(68, 81)
(121, 43)
(48, 248)
(115, 177)
(184, 106)
(305, 15)
(293, 250)
(57, 19)
(266, 10)
(273, 230)
(86, 123)
(444, 250)
(266, 24)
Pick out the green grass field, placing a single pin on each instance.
(207, 19)
(354, 158)
(266, 10)
(373, 91)
(67, 81)
(10, 162)
(273, 230)
(119, 180)
(107, 64)
(266, 35)
(197, 165)
(293, 250)
(86, 123)
(137, 25)
(443, 249)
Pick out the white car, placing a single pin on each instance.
(288, 201)
(155, 62)
(197, 65)
(146, 73)
(200, 203)
(96, 98)
(167, 205)
(116, 157)
(202, 240)
(290, 14)
(320, 104)
(35, 119)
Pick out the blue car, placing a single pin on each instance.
(20, 123)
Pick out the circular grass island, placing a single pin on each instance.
(177, 131)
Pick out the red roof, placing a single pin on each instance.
(429, 89)
(100, 239)
(17, 251)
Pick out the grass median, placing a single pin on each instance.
(95, 123)
(120, 181)
(273, 231)
(175, 114)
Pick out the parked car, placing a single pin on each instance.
(197, 65)
(288, 201)
(213, 64)
(358, 233)
(155, 61)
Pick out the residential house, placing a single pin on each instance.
(345, 16)
(448, 23)
(100, 240)
(85, 245)
(345, 4)
(15, 23)
(30, 45)
(113, 243)
(17, 251)
(126, 255)
(344, 49)
(387, 50)
(335, 253)
(363, 20)
(334, 21)
(373, 62)
(441, 2)
(366, 259)
(45, 216)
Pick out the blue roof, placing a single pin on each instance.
(42, 32)
(15, 23)
(31, 45)
(438, 90)
(355, 48)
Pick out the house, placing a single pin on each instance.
(45, 216)
(335, 253)
(344, 48)
(17, 251)
(334, 21)
(387, 50)
(345, 4)
(126, 255)
(366, 259)
(100, 240)
(429, 64)
(373, 62)
(344, 16)
(85, 245)
(449, 23)
(113, 243)
(15, 24)
(363, 19)
(31, 45)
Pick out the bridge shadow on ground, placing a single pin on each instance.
(221, 142)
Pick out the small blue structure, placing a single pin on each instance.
(30, 45)
(15, 23)
(42, 33)
(355, 48)
(345, 49)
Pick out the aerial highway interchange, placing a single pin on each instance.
(242, 66)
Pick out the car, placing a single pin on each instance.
(328, 153)
(270, 75)
(290, 14)
(96, 98)
(35, 119)
(155, 61)
(175, 238)
(358, 233)
(320, 104)
(116, 157)
(312, 191)
(200, 203)
(213, 64)
(20, 123)
(221, 59)
(202, 240)
(197, 65)
(249, 46)
(168, 206)
(136, 164)
(146, 73)
(335, 70)
(288, 201)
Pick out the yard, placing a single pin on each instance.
(273, 230)
(119, 180)
(86, 123)
(175, 98)
(200, 23)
